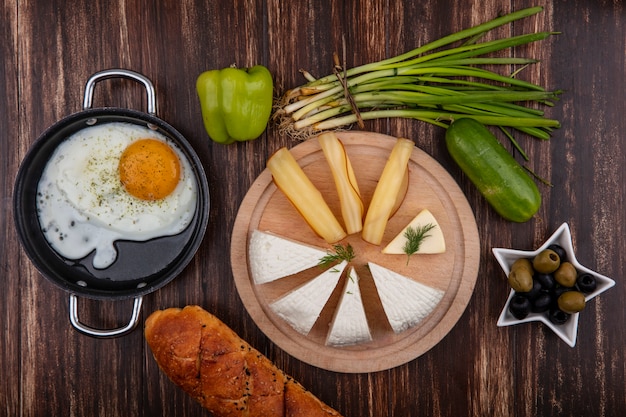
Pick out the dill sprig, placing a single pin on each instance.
(339, 253)
(414, 238)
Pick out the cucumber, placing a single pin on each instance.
(503, 182)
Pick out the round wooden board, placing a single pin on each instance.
(430, 186)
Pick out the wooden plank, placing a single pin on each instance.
(51, 48)
(10, 298)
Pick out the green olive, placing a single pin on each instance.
(521, 279)
(571, 302)
(522, 263)
(546, 262)
(566, 275)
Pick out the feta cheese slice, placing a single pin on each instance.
(302, 306)
(434, 243)
(349, 325)
(272, 257)
(406, 302)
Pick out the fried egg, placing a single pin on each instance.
(110, 182)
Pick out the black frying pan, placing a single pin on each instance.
(141, 267)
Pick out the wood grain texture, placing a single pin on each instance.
(51, 47)
(9, 252)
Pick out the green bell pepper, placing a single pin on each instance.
(236, 103)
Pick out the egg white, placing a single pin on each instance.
(82, 205)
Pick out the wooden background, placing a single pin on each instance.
(50, 47)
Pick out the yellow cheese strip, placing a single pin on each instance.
(404, 187)
(386, 192)
(345, 181)
(305, 197)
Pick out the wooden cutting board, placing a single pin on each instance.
(430, 187)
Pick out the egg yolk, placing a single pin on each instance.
(149, 169)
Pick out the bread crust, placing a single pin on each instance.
(221, 371)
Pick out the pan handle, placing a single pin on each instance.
(90, 331)
(119, 73)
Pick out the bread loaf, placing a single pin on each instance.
(221, 371)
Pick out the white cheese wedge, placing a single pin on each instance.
(272, 257)
(434, 243)
(302, 306)
(406, 302)
(349, 325)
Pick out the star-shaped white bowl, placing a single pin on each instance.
(567, 331)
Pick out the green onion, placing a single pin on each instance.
(435, 83)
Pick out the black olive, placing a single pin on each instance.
(542, 303)
(558, 290)
(586, 282)
(557, 316)
(534, 292)
(519, 306)
(547, 281)
(559, 251)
